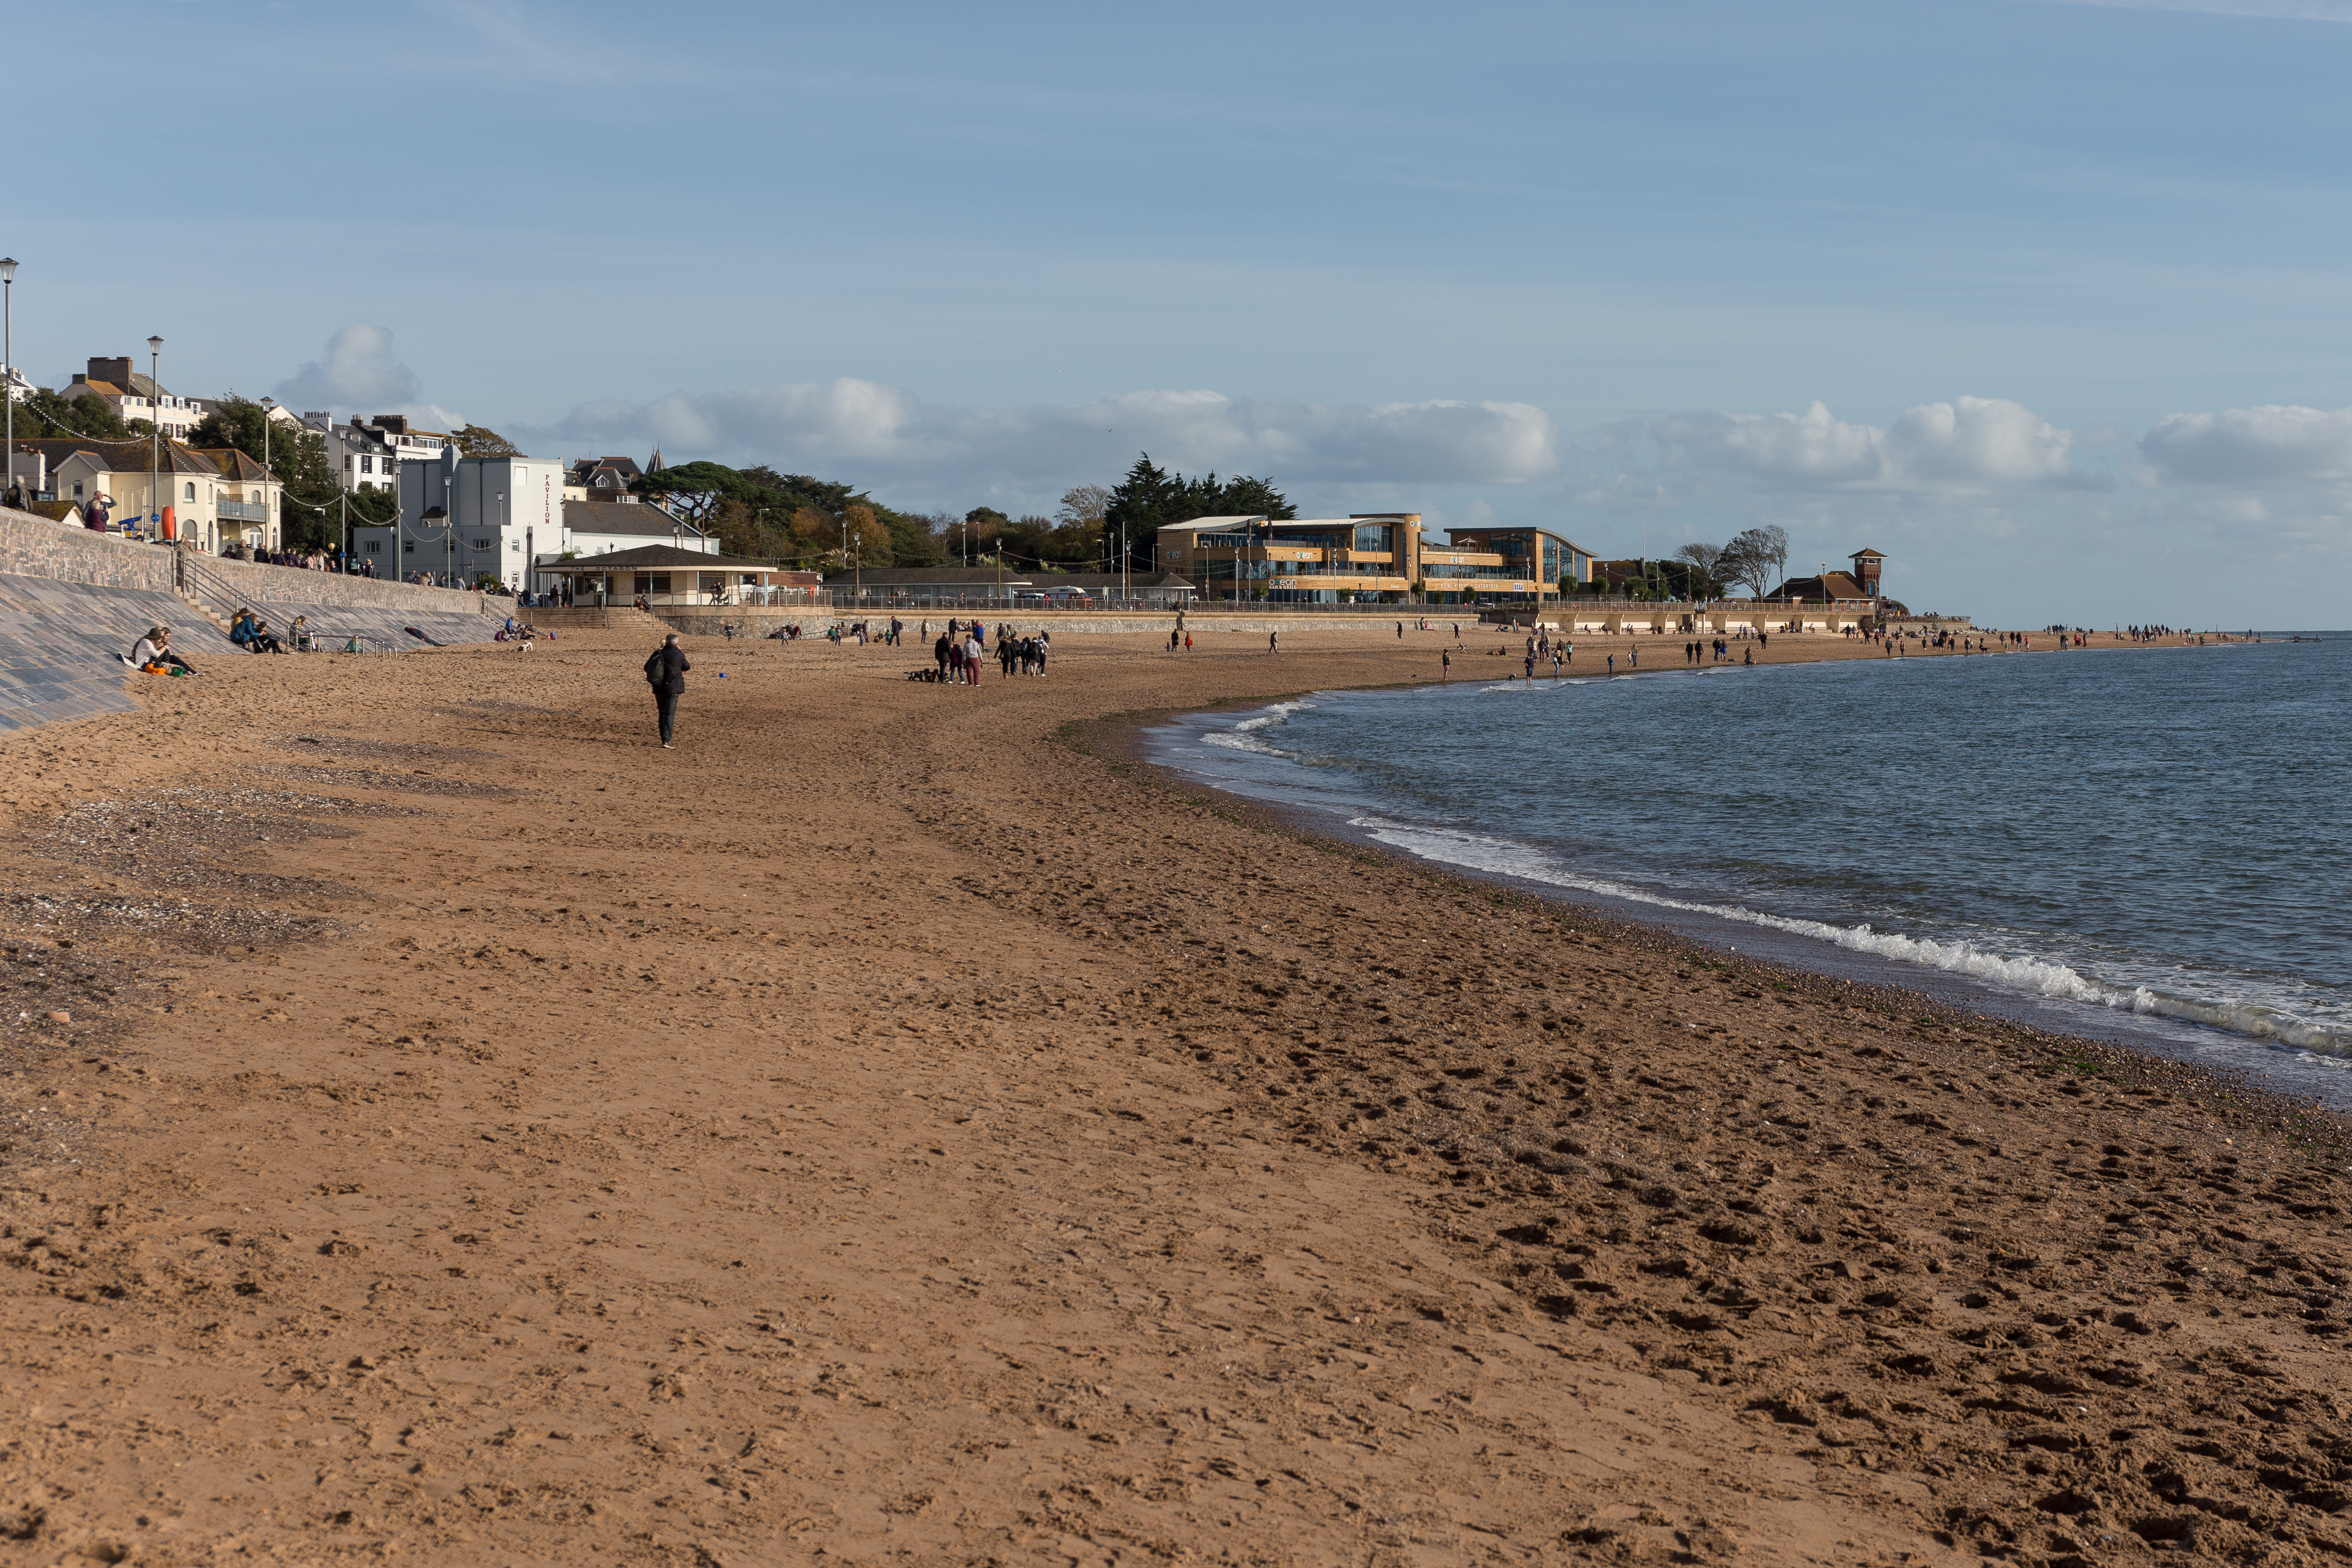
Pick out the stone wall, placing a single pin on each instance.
(33, 546)
(245, 579)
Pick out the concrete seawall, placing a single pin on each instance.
(711, 622)
(340, 607)
(73, 601)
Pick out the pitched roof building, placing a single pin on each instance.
(601, 479)
(215, 496)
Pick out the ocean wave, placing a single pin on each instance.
(1245, 736)
(2035, 976)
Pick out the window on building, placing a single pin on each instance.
(486, 544)
(347, 462)
(192, 490)
(373, 547)
(367, 464)
(408, 549)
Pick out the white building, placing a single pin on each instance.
(606, 528)
(470, 517)
(366, 455)
(132, 394)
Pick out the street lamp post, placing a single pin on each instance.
(8, 352)
(266, 404)
(155, 426)
(441, 513)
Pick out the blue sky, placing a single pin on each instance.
(2047, 300)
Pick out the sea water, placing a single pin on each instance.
(2152, 844)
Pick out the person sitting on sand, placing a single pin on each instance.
(152, 654)
(265, 641)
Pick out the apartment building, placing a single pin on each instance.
(366, 454)
(1365, 557)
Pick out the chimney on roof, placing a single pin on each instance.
(397, 423)
(115, 371)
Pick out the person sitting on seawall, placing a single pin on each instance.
(265, 641)
(152, 656)
(300, 636)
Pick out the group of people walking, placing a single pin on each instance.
(963, 647)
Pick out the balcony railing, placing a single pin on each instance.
(241, 511)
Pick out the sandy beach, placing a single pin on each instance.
(442, 1127)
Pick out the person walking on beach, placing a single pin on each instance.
(1444, 664)
(666, 672)
(1274, 642)
(1612, 664)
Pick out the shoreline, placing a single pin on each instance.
(883, 1125)
(1764, 936)
(1124, 738)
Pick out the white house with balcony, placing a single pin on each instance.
(215, 496)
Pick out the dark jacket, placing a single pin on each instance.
(666, 670)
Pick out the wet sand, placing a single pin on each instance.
(895, 1126)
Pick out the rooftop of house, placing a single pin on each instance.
(133, 456)
(1832, 585)
(655, 557)
(632, 518)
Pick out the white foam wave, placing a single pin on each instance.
(2035, 976)
(1243, 736)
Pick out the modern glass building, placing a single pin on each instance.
(1378, 558)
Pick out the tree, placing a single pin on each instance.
(313, 507)
(1705, 562)
(1150, 498)
(88, 416)
(1245, 495)
(1083, 504)
(691, 490)
(868, 538)
(1757, 558)
(477, 441)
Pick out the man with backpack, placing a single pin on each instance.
(666, 672)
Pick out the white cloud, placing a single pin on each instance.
(2270, 444)
(886, 432)
(359, 375)
(1969, 444)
